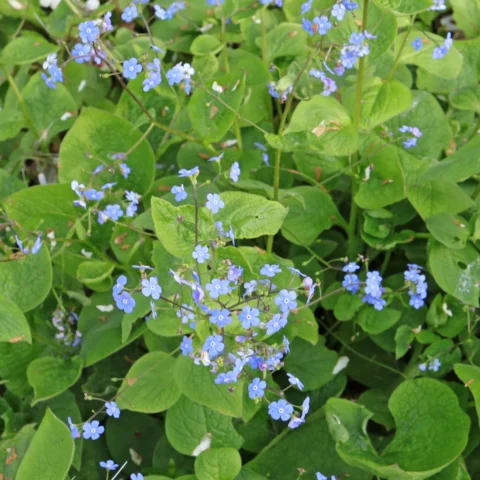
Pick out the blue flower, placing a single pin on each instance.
(93, 195)
(142, 268)
(112, 409)
(272, 91)
(81, 50)
(297, 421)
(130, 13)
(217, 287)
(179, 192)
(186, 346)
(55, 75)
(256, 388)
(306, 7)
(417, 44)
(121, 282)
(109, 465)
(151, 287)
(276, 324)
(37, 245)
(234, 273)
(351, 267)
(200, 254)
(188, 173)
(214, 202)
(270, 270)
(107, 22)
(350, 6)
(131, 68)
(280, 410)
(88, 31)
(249, 317)
(286, 300)
(213, 345)
(113, 211)
(220, 317)
(351, 283)
(295, 381)
(176, 74)
(73, 429)
(125, 302)
(151, 82)
(410, 142)
(132, 196)
(137, 476)
(307, 25)
(92, 430)
(250, 287)
(322, 24)
(235, 171)
(184, 314)
(339, 11)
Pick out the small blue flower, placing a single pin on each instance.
(184, 314)
(351, 267)
(132, 196)
(125, 302)
(280, 410)
(121, 282)
(188, 173)
(249, 317)
(175, 75)
(350, 6)
(109, 465)
(322, 24)
(417, 44)
(256, 388)
(214, 202)
(81, 52)
(93, 195)
(295, 381)
(339, 11)
(234, 273)
(270, 270)
(410, 142)
(286, 300)
(131, 68)
(137, 476)
(107, 22)
(200, 254)
(306, 7)
(37, 245)
(307, 25)
(297, 421)
(113, 211)
(151, 82)
(276, 324)
(351, 283)
(217, 287)
(250, 287)
(73, 429)
(179, 192)
(151, 287)
(213, 345)
(186, 346)
(112, 409)
(130, 13)
(221, 317)
(235, 171)
(271, 90)
(92, 430)
(88, 31)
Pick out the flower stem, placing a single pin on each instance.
(399, 54)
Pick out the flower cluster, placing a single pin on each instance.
(66, 325)
(418, 286)
(170, 12)
(433, 365)
(329, 85)
(53, 73)
(272, 90)
(323, 477)
(442, 50)
(411, 141)
(35, 247)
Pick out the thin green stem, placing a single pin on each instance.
(400, 51)
(263, 30)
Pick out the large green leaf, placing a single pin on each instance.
(14, 325)
(50, 376)
(466, 14)
(470, 376)
(188, 422)
(26, 50)
(374, 321)
(406, 6)
(19, 443)
(150, 386)
(432, 431)
(51, 452)
(27, 281)
(250, 216)
(100, 134)
(218, 464)
(11, 122)
(197, 383)
(467, 98)
(285, 40)
(211, 119)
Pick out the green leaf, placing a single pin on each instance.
(284, 40)
(462, 164)
(250, 216)
(197, 383)
(27, 281)
(447, 67)
(312, 364)
(151, 382)
(218, 464)
(347, 306)
(188, 422)
(467, 98)
(50, 376)
(25, 50)
(51, 452)
(310, 212)
(175, 226)
(205, 44)
(100, 134)
(406, 6)
(451, 230)
(48, 105)
(386, 183)
(466, 14)
(15, 327)
(381, 101)
(11, 122)
(20, 442)
(470, 376)
(95, 274)
(9, 183)
(375, 321)
(211, 119)
(329, 121)
(456, 271)
(440, 433)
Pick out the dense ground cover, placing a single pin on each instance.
(238, 240)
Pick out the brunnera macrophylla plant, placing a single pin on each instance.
(233, 233)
